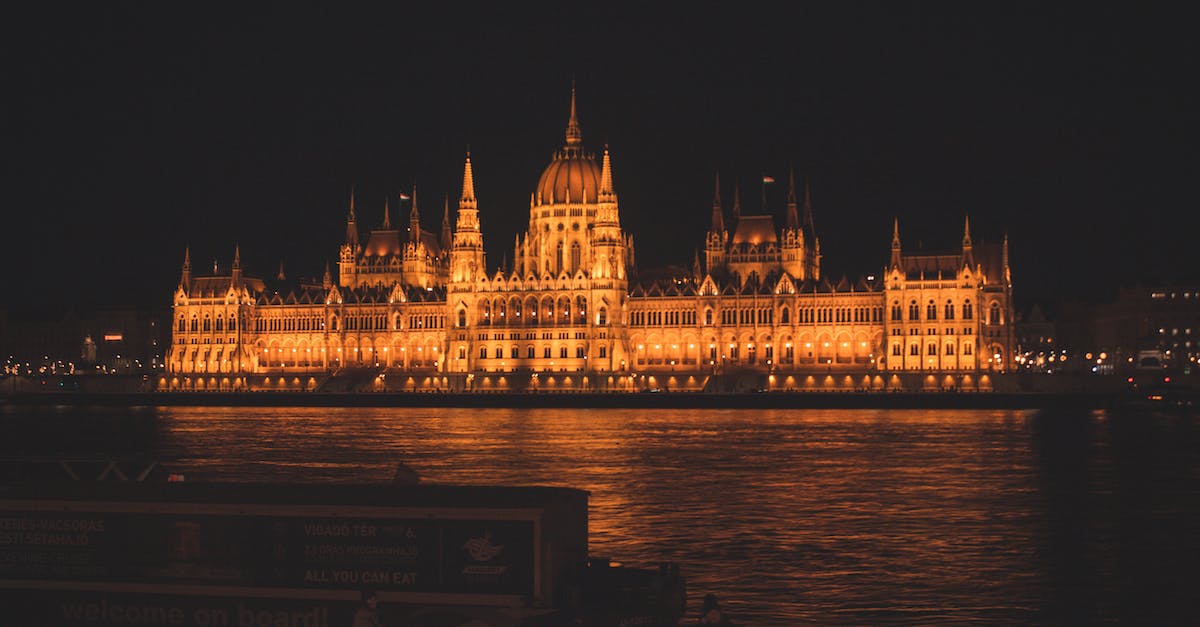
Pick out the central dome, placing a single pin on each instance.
(572, 177)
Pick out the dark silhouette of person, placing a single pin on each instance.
(711, 613)
(368, 613)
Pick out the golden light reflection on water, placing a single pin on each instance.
(814, 516)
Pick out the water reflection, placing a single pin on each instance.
(822, 516)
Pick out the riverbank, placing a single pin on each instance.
(793, 400)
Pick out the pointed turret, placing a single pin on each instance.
(185, 276)
(808, 210)
(737, 204)
(468, 185)
(351, 224)
(236, 277)
(281, 276)
(414, 219)
(447, 232)
(327, 280)
(696, 265)
(574, 135)
(1004, 261)
(967, 255)
(793, 218)
(387, 212)
(895, 242)
(606, 183)
(718, 216)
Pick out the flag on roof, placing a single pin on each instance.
(768, 179)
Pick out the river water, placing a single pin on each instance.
(788, 516)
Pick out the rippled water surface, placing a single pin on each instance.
(790, 516)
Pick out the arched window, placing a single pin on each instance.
(529, 351)
(931, 310)
(602, 316)
(207, 324)
(784, 317)
(949, 349)
(968, 311)
(232, 323)
(514, 352)
(932, 350)
(558, 258)
(994, 314)
(220, 323)
(914, 350)
(575, 261)
(967, 348)
(914, 312)
(499, 353)
(182, 324)
(949, 310)
(708, 317)
(333, 323)
(462, 317)
(896, 311)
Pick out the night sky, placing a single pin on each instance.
(131, 131)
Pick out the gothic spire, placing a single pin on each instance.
(414, 219)
(468, 185)
(718, 219)
(281, 276)
(808, 211)
(387, 220)
(574, 135)
(896, 242)
(327, 280)
(447, 233)
(606, 182)
(968, 256)
(351, 225)
(793, 219)
(737, 204)
(185, 276)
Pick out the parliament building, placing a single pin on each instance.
(415, 310)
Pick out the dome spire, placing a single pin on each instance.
(574, 135)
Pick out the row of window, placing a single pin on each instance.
(931, 349)
(207, 324)
(531, 352)
(948, 311)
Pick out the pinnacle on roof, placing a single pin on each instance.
(808, 211)
(468, 191)
(606, 183)
(387, 220)
(574, 135)
(237, 256)
(718, 220)
(793, 220)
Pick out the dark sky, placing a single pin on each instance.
(131, 131)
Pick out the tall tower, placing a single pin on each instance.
(792, 248)
(348, 255)
(466, 252)
(718, 237)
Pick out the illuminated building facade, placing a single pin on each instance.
(415, 310)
